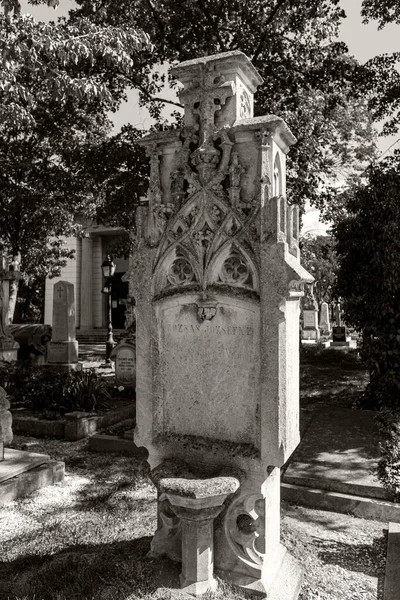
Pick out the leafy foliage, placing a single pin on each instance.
(319, 258)
(384, 11)
(368, 247)
(57, 84)
(51, 391)
(310, 80)
(389, 463)
(85, 390)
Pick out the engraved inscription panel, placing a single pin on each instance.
(209, 371)
(309, 318)
(125, 366)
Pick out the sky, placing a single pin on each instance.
(363, 40)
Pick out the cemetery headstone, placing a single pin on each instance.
(310, 330)
(124, 355)
(63, 348)
(338, 314)
(339, 334)
(217, 281)
(324, 321)
(8, 345)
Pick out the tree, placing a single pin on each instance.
(310, 80)
(368, 248)
(56, 85)
(383, 11)
(319, 257)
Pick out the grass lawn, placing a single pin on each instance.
(88, 538)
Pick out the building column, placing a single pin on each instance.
(87, 284)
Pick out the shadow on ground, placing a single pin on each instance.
(88, 571)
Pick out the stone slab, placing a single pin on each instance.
(359, 506)
(17, 462)
(72, 429)
(339, 452)
(38, 427)
(392, 573)
(63, 352)
(210, 368)
(111, 443)
(24, 484)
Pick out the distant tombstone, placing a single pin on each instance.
(124, 355)
(63, 349)
(310, 331)
(338, 315)
(6, 434)
(339, 334)
(8, 345)
(324, 322)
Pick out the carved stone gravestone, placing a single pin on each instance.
(124, 355)
(310, 331)
(217, 281)
(63, 349)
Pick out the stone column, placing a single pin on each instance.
(197, 522)
(87, 284)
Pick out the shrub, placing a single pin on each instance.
(389, 463)
(51, 390)
(85, 390)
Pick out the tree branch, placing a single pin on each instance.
(215, 29)
(140, 87)
(271, 17)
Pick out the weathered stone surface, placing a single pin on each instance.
(392, 574)
(63, 348)
(17, 462)
(63, 352)
(27, 482)
(203, 362)
(63, 312)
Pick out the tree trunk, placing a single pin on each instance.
(12, 300)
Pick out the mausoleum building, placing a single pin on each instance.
(84, 272)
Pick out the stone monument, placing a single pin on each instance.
(340, 339)
(8, 345)
(217, 280)
(310, 331)
(324, 321)
(63, 348)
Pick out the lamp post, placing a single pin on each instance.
(108, 268)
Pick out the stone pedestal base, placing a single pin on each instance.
(285, 585)
(63, 353)
(9, 354)
(187, 507)
(310, 335)
(197, 521)
(349, 343)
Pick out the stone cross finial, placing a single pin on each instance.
(222, 83)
